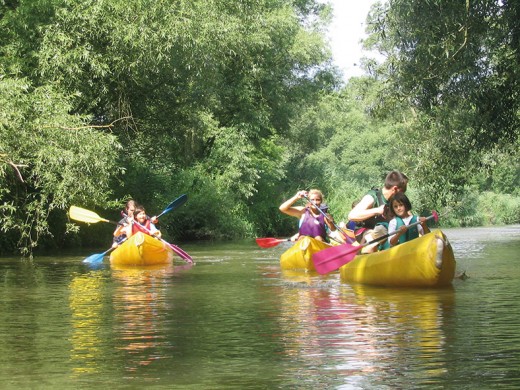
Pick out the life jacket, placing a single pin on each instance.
(137, 227)
(411, 233)
(370, 223)
(313, 225)
(379, 200)
(384, 243)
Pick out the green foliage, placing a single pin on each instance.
(451, 77)
(482, 209)
(48, 160)
(196, 91)
(236, 104)
(498, 209)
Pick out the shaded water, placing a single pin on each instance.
(235, 320)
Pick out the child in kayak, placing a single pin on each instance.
(139, 222)
(312, 222)
(119, 235)
(143, 224)
(401, 206)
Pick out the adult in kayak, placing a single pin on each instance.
(312, 221)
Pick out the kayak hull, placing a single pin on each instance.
(141, 250)
(299, 256)
(427, 261)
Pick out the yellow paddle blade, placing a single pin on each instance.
(79, 214)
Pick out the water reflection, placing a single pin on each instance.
(139, 299)
(135, 304)
(86, 317)
(355, 331)
(237, 321)
(403, 327)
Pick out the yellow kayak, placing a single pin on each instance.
(299, 256)
(142, 249)
(426, 261)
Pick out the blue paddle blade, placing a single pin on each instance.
(95, 258)
(176, 203)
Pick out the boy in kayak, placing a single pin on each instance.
(401, 206)
(372, 208)
(312, 222)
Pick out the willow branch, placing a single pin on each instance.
(14, 166)
(110, 125)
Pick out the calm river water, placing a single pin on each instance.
(235, 321)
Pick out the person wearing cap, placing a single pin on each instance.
(312, 222)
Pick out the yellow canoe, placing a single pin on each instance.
(299, 256)
(142, 249)
(426, 261)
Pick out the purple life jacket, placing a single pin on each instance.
(313, 225)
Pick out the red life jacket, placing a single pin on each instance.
(137, 227)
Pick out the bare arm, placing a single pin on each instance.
(425, 227)
(330, 222)
(120, 229)
(294, 211)
(365, 209)
(394, 240)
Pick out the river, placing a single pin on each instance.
(235, 321)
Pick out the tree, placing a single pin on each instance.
(452, 72)
(48, 160)
(198, 92)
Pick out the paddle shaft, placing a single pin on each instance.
(176, 203)
(185, 256)
(327, 217)
(434, 215)
(331, 259)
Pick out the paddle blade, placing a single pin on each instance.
(82, 215)
(95, 259)
(269, 242)
(333, 258)
(173, 205)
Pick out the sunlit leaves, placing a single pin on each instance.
(61, 160)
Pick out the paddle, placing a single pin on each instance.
(269, 242)
(333, 258)
(173, 205)
(87, 216)
(175, 248)
(98, 257)
(83, 215)
(327, 217)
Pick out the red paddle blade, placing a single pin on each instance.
(331, 259)
(269, 242)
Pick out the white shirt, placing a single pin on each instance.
(392, 225)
